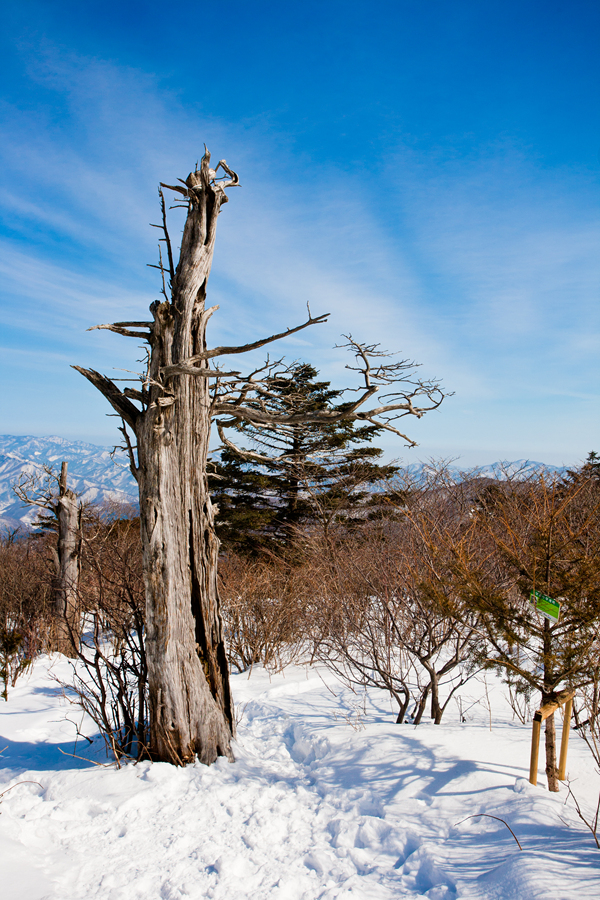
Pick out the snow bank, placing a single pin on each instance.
(327, 799)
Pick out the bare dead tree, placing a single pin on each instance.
(66, 511)
(170, 414)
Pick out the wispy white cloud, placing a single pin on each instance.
(481, 270)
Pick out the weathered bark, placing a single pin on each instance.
(191, 711)
(67, 624)
(190, 704)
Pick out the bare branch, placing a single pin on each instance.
(498, 819)
(135, 395)
(162, 274)
(386, 426)
(407, 408)
(244, 348)
(233, 180)
(119, 402)
(259, 417)
(245, 454)
(167, 237)
(128, 446)
(248, 454)
(175, 187)
(247, 400)
(321, 417)
(169, 371)
(38, 489)
(118, 328)
(128, 325)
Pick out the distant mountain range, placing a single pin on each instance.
(501, 470)
(94, 473)
(99, 476)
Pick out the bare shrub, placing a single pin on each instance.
(25, 603)
(110, 675)
(586, 710)
(13, 659)
(391, 613)
(261, 612)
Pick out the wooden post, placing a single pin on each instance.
(535, 748)
(564, 741)
(561, 698)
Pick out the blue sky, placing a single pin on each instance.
(428, 172)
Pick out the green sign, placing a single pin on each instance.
(545, 605)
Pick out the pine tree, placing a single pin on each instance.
(286, 478)
(589, 471)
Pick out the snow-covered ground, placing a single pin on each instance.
(327, 799)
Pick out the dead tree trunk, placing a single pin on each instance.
(191, 711)
(66, 600)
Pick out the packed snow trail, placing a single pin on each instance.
(327, 799)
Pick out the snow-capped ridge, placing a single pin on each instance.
(101, 474)
(97, 474)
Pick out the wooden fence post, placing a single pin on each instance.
(535, 747)
(564, 741)
(561, 698)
